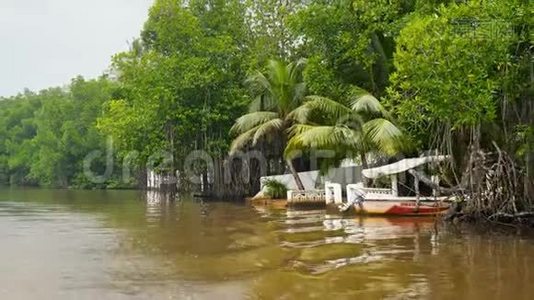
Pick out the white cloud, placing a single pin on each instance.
(45, 43)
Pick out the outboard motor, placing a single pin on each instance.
(355, 196)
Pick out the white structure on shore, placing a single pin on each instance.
(314, 183)
(313, 180)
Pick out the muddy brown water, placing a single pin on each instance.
(125, 245)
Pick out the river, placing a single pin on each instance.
(124, 245)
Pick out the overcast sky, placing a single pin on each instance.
(45, 43)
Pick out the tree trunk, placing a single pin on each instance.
(296, 176)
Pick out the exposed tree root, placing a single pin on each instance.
(496, 191)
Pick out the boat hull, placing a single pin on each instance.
(401, 208)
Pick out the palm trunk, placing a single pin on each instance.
(289, 162)
(296, 176)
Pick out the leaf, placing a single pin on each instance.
(327, 106)
(242, 140)
(367, 103)
(251, 120)
(321, 137)
(384, 134)
(267, 128)
(300, 114)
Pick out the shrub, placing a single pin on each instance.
(275, 189)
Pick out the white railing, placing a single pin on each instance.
(306, 196)
(378, 191)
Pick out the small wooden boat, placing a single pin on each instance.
(405, 207)
(386, 201)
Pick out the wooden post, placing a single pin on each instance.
(435, 190)
(416, 187)
(394, 185)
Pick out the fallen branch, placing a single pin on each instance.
(426, 180)
(511, 216)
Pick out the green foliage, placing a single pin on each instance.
(275, 189)
(447, 71)
(268, 36)
(350, 128)
(348, 43)
(181, 85)
(17, 128)
(48, 134)
(277, 93)
(440, 66)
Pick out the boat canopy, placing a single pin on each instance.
(402, 166)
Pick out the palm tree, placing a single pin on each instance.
(354, 127)
(279, 91)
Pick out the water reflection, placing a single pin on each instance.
(63, 245)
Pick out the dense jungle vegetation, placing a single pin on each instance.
(365, 79)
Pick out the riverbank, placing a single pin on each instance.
(520, 222)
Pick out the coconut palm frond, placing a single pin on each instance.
(347, 129)
(251, 120)
(367, 103)
(242, 140)
(267, 129)
(295, 69)
(285, 88)
(327, 106)
(299, 91)
(300, 114)
(262, 103)
(296, 141)
(384, 134)
(322, 137)
(296, 88)
(298, 129)
(292, 149)
(256, 104)
(277, 71)
(258, 82)
(351, 138)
